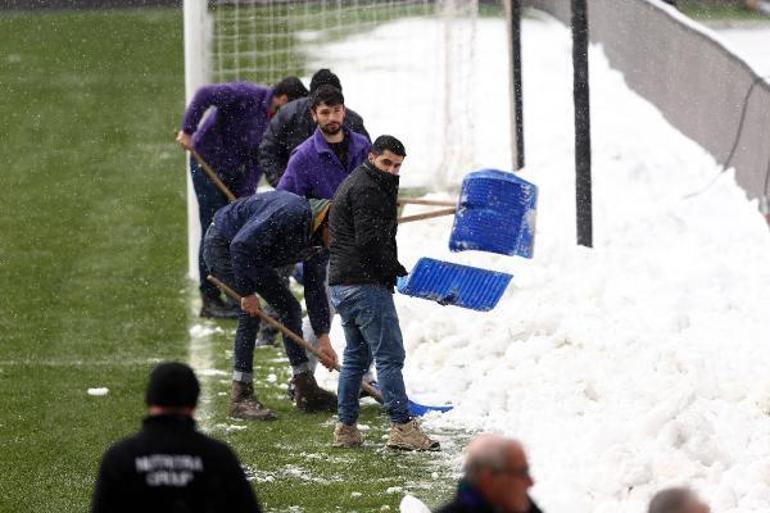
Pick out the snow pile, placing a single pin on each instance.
(638, 364)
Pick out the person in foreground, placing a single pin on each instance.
(169, 465)
(677, 500)
(363, 270)
(496, 479)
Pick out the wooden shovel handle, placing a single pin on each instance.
(286, 331)
(427, 215)
(213, 176)
(434, 203)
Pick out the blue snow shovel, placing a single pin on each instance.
(495, 213)
(455, 284)
(416, 409)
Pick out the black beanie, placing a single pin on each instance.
(324, 77)
(172, 384)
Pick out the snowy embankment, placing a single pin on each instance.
(638, 364)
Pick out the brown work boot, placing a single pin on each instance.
(347, 436)
(244, 405)
(309, 397)
(409, 437)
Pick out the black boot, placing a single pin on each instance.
(215, 308)
(309, 397)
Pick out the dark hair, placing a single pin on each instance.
(172, 384)
(324, 77)
(327, 94)
(292, 87)
(390, 143)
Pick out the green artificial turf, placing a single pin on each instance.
(709, 12)
(92, 265)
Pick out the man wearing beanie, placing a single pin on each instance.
(293, 124)
(170, 466)
(249, 240)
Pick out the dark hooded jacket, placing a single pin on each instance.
(362, 225)
(170, 467)
(291, 125)
(468, 500)
(273, 229)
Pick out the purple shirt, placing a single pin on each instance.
(315, 171)
(229, 137)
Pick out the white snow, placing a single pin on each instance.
(752, 43)
(625, 368)
(411, 504)
(98, 391)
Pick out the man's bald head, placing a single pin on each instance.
(496, 466)
(489, 452)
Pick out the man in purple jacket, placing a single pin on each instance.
(228, 139)
(319, 165)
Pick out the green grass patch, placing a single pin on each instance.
(93, 262)
(291, 461)
(706, 12)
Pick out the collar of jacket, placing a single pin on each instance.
(381, 177)
(169, 421)
(321, 146)
(268, 103)
(471, 499)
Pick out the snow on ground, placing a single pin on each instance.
(638, 364)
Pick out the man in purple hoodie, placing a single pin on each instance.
(228, 140)
(319, 165)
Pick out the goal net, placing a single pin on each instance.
(408, 67)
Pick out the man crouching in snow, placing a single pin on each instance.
(364, 267)
(244, 245)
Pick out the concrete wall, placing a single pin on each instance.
(682, 68)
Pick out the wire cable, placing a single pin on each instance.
(736, 141)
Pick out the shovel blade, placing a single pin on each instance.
(455, 284)
(496, 214)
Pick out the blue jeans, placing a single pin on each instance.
(271, 288)
(372, 331)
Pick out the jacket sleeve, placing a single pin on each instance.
(315, 293)
(241, 496)
(273, 154)
(372, 220)
(217, 95)
(104, 499)
(291, 180)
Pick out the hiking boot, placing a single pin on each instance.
(347, 436)
(215, 308)
(409, 437)
(309, 397)
(244, 405)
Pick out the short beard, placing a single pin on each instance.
(327, 131)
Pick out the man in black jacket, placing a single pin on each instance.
(293, 124)
(363, 271)
(169, 466)
(496, 479)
